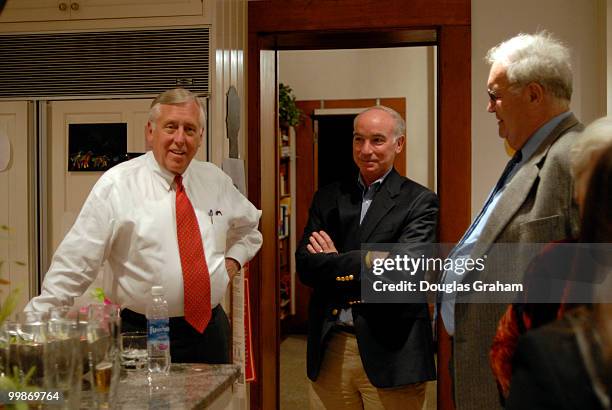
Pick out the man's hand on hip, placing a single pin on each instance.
(232, 266)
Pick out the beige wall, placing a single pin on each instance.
(577, 23)
(403, 72)
(229, 45)
(381, 73)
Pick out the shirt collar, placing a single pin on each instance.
(540, 135)
(166, 177)
(374, 184)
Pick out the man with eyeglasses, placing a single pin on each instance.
(529, 88)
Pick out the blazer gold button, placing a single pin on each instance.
(338, 278)
(334, 312)
(351, 277)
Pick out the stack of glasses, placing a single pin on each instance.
(40, 352)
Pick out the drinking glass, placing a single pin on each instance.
(103, 329)
(11, 334)
(5, 369)
(32, 346)
(64, 363)
(134, 352)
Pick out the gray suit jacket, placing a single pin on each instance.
(537, 206)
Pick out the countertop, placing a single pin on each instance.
(188, 386)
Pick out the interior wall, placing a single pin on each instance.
(373, 73)
(229, 45)
(579, 24)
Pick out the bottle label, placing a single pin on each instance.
(158, 333)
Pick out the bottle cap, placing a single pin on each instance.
(157, 290)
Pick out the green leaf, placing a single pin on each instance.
(28, 376)
(288, 112)
(98, 294)
(9, 304)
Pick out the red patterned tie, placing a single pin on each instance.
(196, 279)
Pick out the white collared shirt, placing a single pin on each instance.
(129, 221)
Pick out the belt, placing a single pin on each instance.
(345, 328)
(140, 320)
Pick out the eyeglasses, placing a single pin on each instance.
(492, 96)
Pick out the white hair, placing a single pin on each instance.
(538, 58)
(175, 96)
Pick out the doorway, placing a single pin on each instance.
(319, 24)
(334, 147)
(337, 85)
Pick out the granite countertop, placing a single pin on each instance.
(188, 386)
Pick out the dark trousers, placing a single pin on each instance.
(186, 344)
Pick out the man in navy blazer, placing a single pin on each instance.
(362, 354)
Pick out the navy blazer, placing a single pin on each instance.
(395, 340)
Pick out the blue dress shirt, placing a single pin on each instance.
(367, 196)
(465, 246)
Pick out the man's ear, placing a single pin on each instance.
(399, 144)
(536, 92)
(148, 129)
(201, 137)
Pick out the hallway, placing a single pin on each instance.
(294, 383)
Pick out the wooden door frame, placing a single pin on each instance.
(319, 24)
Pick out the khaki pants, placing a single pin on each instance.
(343, 383)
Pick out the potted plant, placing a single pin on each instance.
(288, 112)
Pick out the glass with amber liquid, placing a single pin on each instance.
(103, 329)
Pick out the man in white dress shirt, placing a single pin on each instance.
(129, 222)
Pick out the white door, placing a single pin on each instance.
(14, 206)
(67, 190)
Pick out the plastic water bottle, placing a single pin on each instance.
(158, 332)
